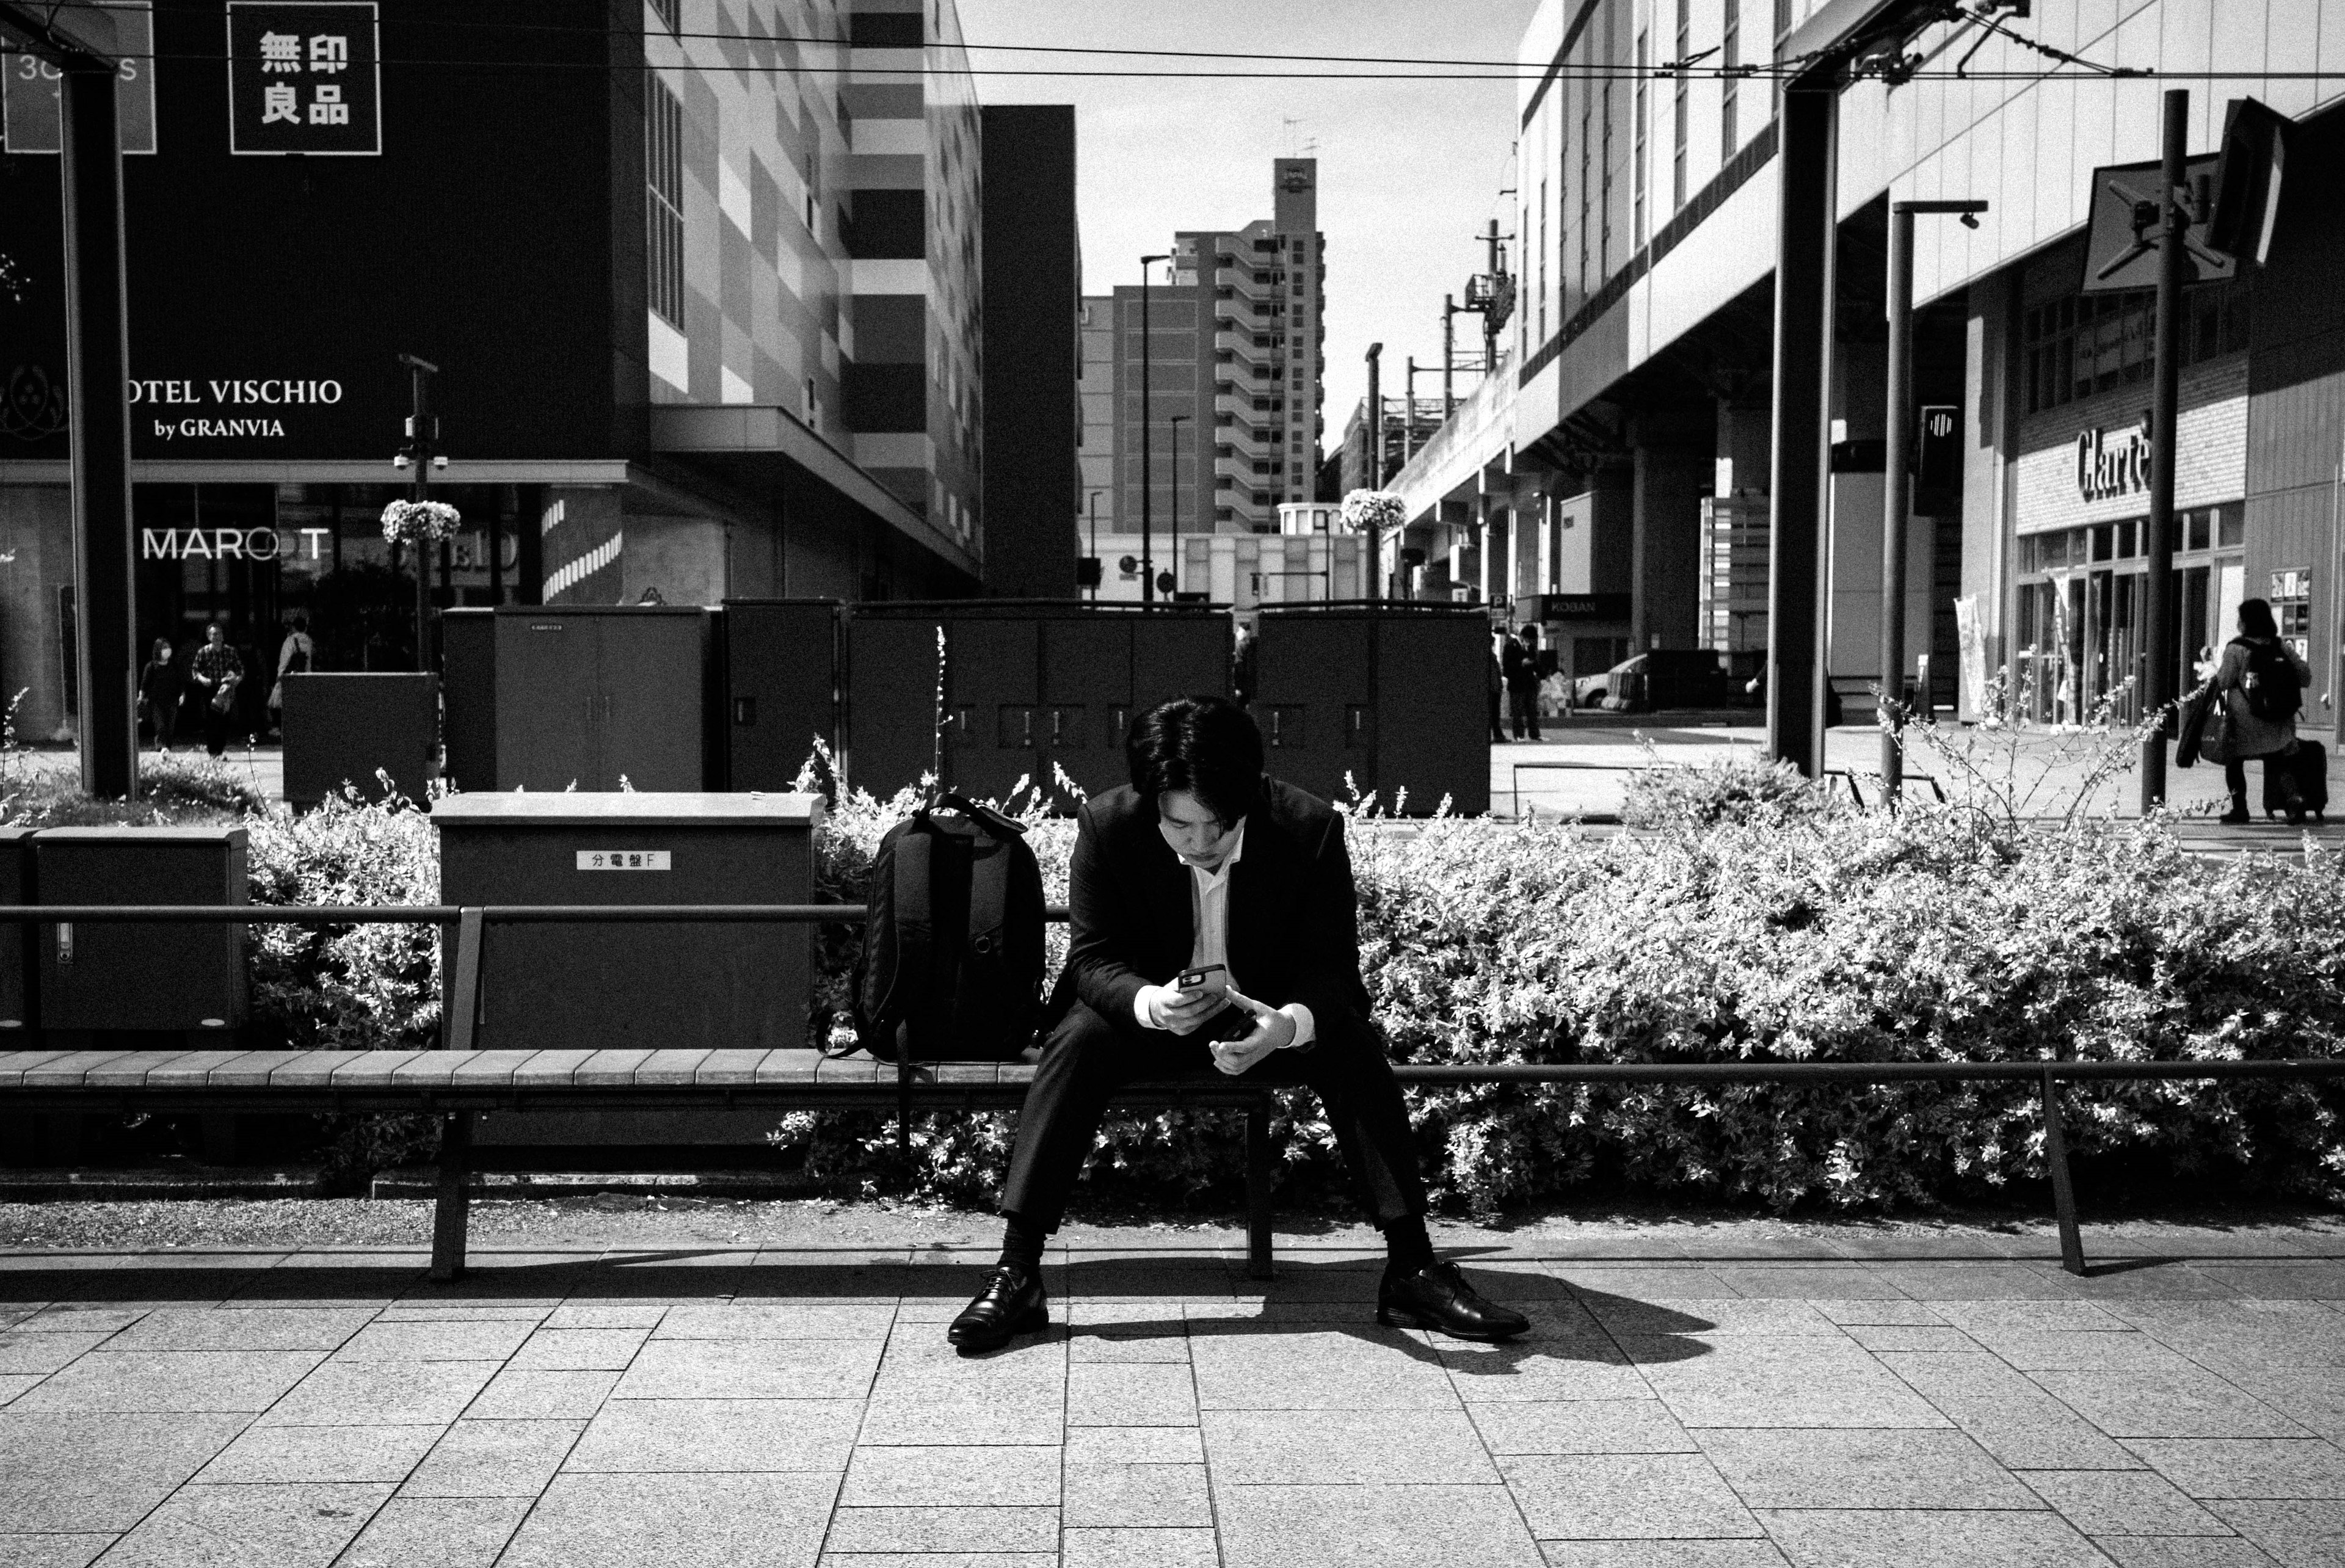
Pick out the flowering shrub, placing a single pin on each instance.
(1738, 787)
(1373, 509)
(420, 521)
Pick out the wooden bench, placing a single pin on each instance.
(457, 1085)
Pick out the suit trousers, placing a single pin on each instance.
(1086, 1060)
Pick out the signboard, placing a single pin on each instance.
(2113, 462)
(622, 860)
(32, 108)
(2121, 247)
(1937, 455)
(304, 77)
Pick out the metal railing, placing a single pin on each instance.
(471, 922)
(1515, 784)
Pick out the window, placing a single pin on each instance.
(1604, 206)
(2085, 343)
(1731, 58)
(1681, 107)
(1637, 144)
(1587, 188)
(664, 201)
(814, 411)
(666, 10)
(1542, 262)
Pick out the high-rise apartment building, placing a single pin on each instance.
(1231, 350)
(1095, 447)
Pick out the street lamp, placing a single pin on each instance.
(1147, 475)
(1372, 586)
(421, 454)
(1897, 494)
(1097, 570)
(1176, 421)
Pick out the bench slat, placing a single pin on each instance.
(307, 1069)
(70, 1070)
(789, 1065)
(373, 1069)
(674, 1066)
(610, 1068)
(1015, 1073)
(729, 1065)
(856, 1069)
(129, 1069)
(246, 1069)
(191, 1069)
(14, 1065)
(550, 1069)
(967, 1072)
(491, 1069)
(432, 1069)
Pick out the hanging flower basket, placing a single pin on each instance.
(420, 521)
(1373, 509)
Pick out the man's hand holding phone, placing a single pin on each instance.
(1193, 1000)
(1273, 1030)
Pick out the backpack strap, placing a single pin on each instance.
(914, 922)
(988, 902)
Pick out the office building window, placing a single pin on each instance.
(668, 11)
(2088, 343)
(1681, 107)
(1637, 144)
(1731, 57)
(664, 201)
(1604, 205)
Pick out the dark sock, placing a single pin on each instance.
(1406, 1246)
(1022, 1244)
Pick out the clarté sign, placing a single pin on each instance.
(2113, 463)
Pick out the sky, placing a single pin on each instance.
(1409, 172)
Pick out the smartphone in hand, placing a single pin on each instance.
(1212, 977)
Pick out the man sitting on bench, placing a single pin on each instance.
(1215, 927)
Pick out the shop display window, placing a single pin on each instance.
(2087, 343)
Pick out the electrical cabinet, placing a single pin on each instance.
(16, 962)
(592, 697)
(780, 663)
(142, 976)
(468, 697)
(346, 728)
(1393, 697)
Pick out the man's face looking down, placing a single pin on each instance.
(1198, 836)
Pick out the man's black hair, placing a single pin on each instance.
(1208, 746)
(2255, 619)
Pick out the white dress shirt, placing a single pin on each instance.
(1209, 918)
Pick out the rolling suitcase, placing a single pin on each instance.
(2309, 766)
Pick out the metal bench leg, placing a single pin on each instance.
(448, 1215)
(1257, 1157)
(2064, 1191)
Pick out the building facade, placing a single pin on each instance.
(701, 281)
(1096, 442)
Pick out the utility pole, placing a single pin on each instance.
(1099, 567)
(1176, 421)
(1449, 356)
(421, 454)
(1147, 473)
(1373, 428)
(1897, 489)
(2175, 216)
(1408, 416)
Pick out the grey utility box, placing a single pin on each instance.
(468, 697)
(345, 728)
(592, 697)
(1395, 696)
(16, 940)
(634, 985)
(142, 976)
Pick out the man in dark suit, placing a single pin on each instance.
(1205, 862)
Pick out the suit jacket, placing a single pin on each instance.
(1294, 932)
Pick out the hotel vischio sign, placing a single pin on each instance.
(2111, 463)
(304, 77)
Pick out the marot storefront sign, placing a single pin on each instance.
(231, 543)
(239, 408)
(2113, 462)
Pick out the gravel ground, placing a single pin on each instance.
(626, 1221)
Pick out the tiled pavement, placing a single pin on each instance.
(1847, 1401)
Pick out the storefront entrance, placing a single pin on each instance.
(2082, 613)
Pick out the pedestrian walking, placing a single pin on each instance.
(2261, 685)
(162, 685)
(218, 672)
(1498, 689)
(296, 655)
(1519, 664)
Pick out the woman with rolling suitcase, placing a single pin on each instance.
(2260, 686)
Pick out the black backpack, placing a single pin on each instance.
(2273, 691)
(951, 969)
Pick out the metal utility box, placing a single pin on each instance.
(187, 977)
(1027, 686)
(468, 697)
(780, 663)
(657, 984)
(1394, 695)
(344, 728)
(589, 697)
(16, 960)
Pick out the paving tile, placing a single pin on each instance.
(1951, 1538)
(2192, 1403)
(801, 1436)
(942, 1558)
(15, 1383)
(773, 1321)
(2122, 1503)
(1137, 1549)
(1811, 1281)
(1580, 1426)
(495, 1459)
(903, 1418)
(467, 1341)
(2034, 1432)
(1341, 1448)
(2248, 1467)
(597, 1314)
(381, 1393)
(2183, 1552)
(244, 1328)
(1661, 1496)
(273, 1526)
(2038, 1316)
(929, 1527)
(657, 1521)
(436, 1533)
(290, 1453)
(79, 1318)
(1541, 1369)
(77, 1551)
(1368, 1369)
(1140, 1496)
(765, 1368)
(966, 1477)
(1661, 1554)
(1135, 1445)
(1090, 1348)
(1918, 1470)
(1733, 1316)
(2126, 1352)
(423, 1309)
(1130, 1394)
(525, 1394)
(580, 1349)
(1645, 1283)
(85, 1473)
(2297, 1534)
(2278, 1282)
(1943, 1339)
(1935, 1373)
(41, 1354)
(1947, 1283)
(1896, 1311)
(160, 1382)
(1371, 1527)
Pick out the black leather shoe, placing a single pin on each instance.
(1438, 1298)
(1011, 1303)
